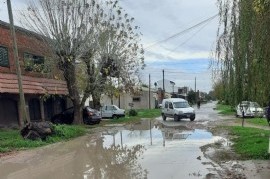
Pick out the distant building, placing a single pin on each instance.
(168, 85)
(139, 100)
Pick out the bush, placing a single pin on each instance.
(133, 112)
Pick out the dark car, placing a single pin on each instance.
(90, 116)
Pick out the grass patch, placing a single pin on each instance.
(142, 113)
(225, 109)
(250, 143)
(257, 121)
(11, 140)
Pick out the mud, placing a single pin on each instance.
(148, 149)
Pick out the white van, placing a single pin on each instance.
(177, 109)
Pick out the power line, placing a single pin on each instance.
(182, 32)
(193, 35)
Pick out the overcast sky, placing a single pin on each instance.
(184, 57)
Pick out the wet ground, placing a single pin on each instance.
(149, 149)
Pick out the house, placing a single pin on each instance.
(44, 95)
(138, 100)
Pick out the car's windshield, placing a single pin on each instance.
(183, 104)
(115, 107)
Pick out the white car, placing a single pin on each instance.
(177, 108)
(112, 111)
(249, 109)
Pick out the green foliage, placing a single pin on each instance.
(11, 140)
(42, 67)
(225, 109)
(64, 132)
(149, 113)
(243, 52)
(250, 143)
(257, 121)
(132, 112)
(142, 113)
(191, 97)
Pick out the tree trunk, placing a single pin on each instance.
(96, 101)
(70, 76)
(77, 113)
(111, 100)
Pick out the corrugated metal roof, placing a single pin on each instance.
(32, 85)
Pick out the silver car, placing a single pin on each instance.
(112, 111)
(249, 109)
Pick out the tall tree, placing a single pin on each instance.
(243, 50)
(118, 55)
(74, 30)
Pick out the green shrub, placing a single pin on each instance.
(132, 112)
(11, 140)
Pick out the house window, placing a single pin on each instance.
(4, 57)
(136, 99)
(33, 62)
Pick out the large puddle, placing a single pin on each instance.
(144, 150)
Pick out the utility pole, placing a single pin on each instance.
(119, 98)
(195, 84)
(163, 91)
(196, 98)
(163, 80)
(23, 118)
(149, 91)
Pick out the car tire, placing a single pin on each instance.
(85, 121)
(163, 117)
(115, 116)
(192, 118)
(176, 118)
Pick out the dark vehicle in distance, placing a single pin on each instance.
(90, 116)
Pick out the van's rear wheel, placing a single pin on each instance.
(192, 118)
(163, 117)
(115, 116)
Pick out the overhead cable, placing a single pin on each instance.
(182, 32)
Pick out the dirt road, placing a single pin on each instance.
(149, 149)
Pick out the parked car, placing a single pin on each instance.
(112, 111)
(250, 109)
(90, 116)
(177, 108)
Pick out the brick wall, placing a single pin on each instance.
(26, 42)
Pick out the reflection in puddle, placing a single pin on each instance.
(143, 150)
(166, 149)
(154, 134)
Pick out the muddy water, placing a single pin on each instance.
(143, 150)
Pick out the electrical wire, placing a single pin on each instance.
(193, 35)
(182, 32)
